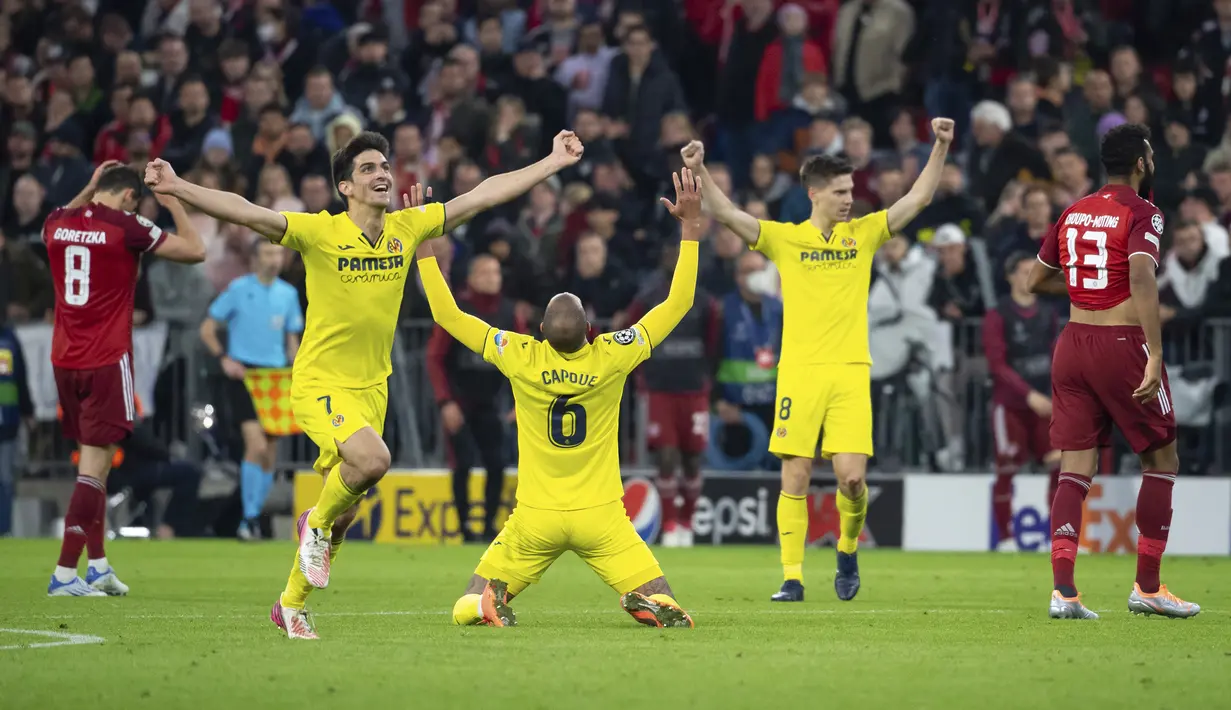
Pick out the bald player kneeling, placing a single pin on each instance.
(567, 393)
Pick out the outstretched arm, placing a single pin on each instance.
(499, 189)
(185, 245)
(221, 205)
(465, 328)
(744, 225)
(921, 193)
(663, 318)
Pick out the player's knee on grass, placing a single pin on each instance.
(478, 582)
(1165, 458)
(796, 475)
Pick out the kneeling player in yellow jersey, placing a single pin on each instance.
(567, 393)
(824, 382)
(357, 263)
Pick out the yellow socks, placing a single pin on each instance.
(792, 533)
(336, 498)
(466, 611)
(851, 514)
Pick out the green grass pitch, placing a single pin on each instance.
(927, 631)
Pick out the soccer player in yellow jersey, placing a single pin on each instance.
(356, 263)
(824, 384)
(567, 393)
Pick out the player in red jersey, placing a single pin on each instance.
(95, 245)
(1104, 253)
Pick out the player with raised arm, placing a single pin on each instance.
(1104, 252)
(824, 376)
(357, 263)
(567, 393)
(95, 244)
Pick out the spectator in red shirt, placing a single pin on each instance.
(786, 61)
(142, 117)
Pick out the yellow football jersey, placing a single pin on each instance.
(825, 281)
(568, 414)
(354, 291)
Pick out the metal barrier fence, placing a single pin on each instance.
(924, 419)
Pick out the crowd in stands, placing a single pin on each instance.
(253, 96)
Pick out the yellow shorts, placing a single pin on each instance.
(604, 537)
(834, 399)
(329, 415)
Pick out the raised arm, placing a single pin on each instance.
(185, 245)
(921, 193)
(499, 189)
(226, 206)
(744, 225)
(465, 328)
(663, 318)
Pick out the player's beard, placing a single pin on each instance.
(1146, 190)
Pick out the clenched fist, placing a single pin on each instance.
(943, 128)
(160, 177)
(693, 155)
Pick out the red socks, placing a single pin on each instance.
(83, 524)
(1066, 529)
(1053, 482)
(1002, 505)
(668, 489)
(1153, 526)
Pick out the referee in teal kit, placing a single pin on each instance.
(263, 320)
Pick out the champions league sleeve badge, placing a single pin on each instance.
(626, 336)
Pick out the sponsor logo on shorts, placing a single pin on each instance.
(626, 336)
(394, 246)
(781, 433)
(338, 420)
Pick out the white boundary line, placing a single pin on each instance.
(537, 612)
(63, 639)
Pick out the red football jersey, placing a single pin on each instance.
(1093, 240)
(95, 252)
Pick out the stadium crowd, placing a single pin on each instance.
(253, 96)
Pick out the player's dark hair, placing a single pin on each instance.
(1122, 147)
(818, 170)
(120, 178)
(1015, 259)
(344, 160)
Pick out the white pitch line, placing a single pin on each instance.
(574, 612)
(63, 639)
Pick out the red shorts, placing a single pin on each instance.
(1021, 436)
(1094, 373)
(98, 404)
(679, 420)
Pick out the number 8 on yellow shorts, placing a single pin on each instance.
(833, 399)
(332, 414)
